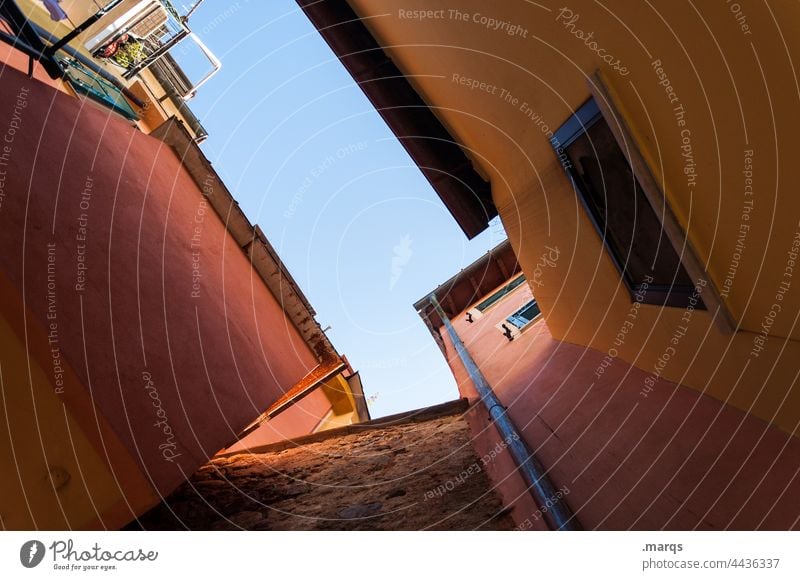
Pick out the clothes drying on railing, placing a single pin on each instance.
(56, 12)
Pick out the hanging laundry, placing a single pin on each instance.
(56, 12)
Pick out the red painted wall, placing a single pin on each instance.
(298, 420)
(177, 375)
(675, 459)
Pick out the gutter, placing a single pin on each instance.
(191, 119)
(262, 256)
(554, 508)
(464, 192)
(478, 267)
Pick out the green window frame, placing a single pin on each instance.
(95, 87)
(500, 294)
(525, 315)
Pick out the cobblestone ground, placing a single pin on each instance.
(410, 475)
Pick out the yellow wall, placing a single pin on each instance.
(62, 465)
(332, 421)
(42, 434)
(343, 406)
(739, 92)
(145, 86)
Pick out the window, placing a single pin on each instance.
(525, 314)
(620, 211)
(503, 292)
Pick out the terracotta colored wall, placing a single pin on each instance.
(216, 359)
(14, 59)
(299, 419)
(675, 459)
(534, 79)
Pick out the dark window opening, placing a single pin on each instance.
(525, 314)
(620, 210)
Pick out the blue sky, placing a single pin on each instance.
(313, 164)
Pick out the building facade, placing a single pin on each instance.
(146, 323)
(139, 80)
(652, 147)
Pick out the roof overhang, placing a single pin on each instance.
(470, 285)
(357, 389)
(466, 194)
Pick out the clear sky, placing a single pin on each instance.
(352, 217)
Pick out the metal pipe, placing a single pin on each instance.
(557, 513)
(216, 65)
(20, 45)
(192, 10)
(51, 50)
(188, 115)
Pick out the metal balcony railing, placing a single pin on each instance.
(143, 35)
(96, 88)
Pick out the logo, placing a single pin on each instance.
(31, 553)
(402, 253)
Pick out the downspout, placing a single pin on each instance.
(191, 119)
(557, 513)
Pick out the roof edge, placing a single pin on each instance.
(263, 257)
(436, 152)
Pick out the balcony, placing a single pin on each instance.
(116, 53)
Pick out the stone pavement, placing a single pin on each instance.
(414, 471)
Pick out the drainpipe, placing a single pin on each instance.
(558, 515)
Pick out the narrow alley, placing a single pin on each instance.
(412, 471)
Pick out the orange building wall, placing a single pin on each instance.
(141, 347)
(498, 93)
